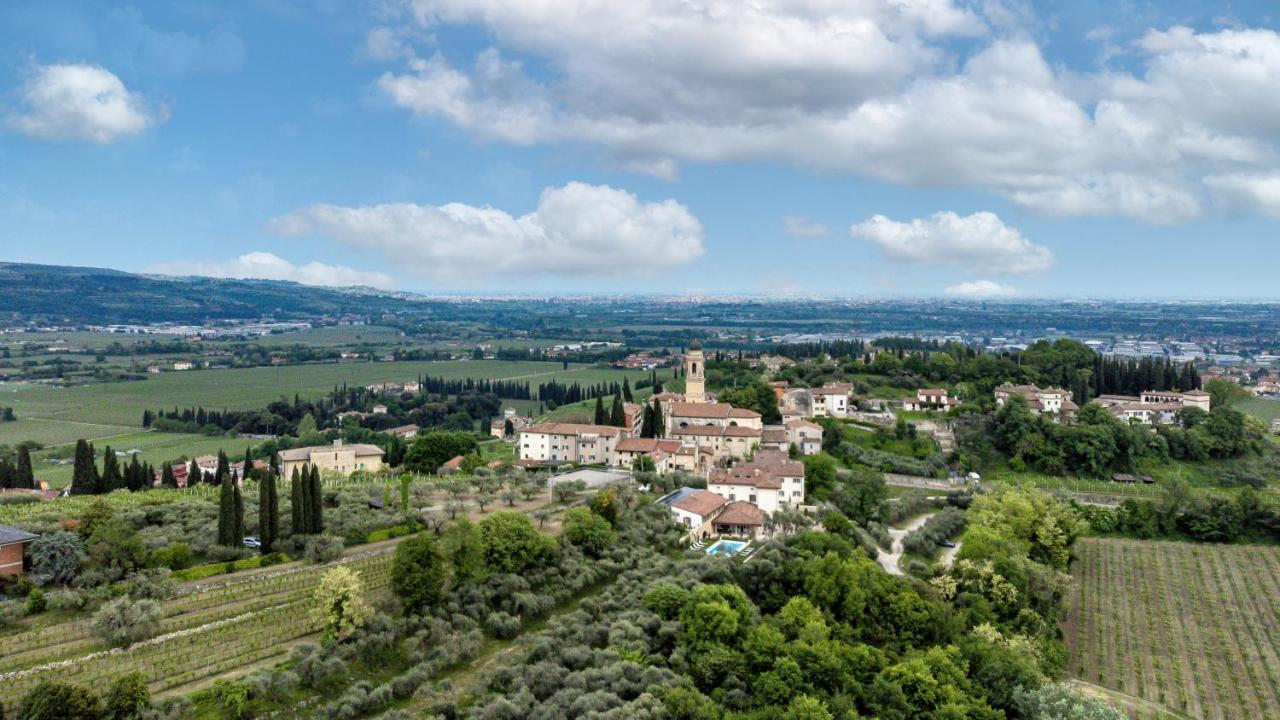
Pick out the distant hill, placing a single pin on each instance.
(76, 295)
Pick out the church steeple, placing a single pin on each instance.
(695, 389)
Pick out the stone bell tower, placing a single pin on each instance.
(695, 389)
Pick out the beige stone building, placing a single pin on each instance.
(569, 442)
(337, 459)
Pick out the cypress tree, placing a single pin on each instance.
(237, 520)
(296, 505)
(268, 512)
(83, 476)
(111, 478)
(646, 422)
(133, 476)
(227, 513)
(317, 502)
(194, 474)
(626, 390)
(248, 465)
(224, 467)
(7, 474)
(617, 416)
(600, 417)
(659, 423)
(167, 478)
(26, 478)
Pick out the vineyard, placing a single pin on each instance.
(208, 630)
(1191, 629)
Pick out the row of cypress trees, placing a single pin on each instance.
(87, 480)
(307, 500)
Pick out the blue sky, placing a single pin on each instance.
(927, 147)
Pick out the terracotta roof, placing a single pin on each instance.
(715, 411)
(740, 513)
(701, 503)
(749, 476)
(453, 463)
(641, 445)
(740, 431)
(802, 423)
(554, 428)
(412, 428)
(775, 435)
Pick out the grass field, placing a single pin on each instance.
(1187, 630)
(61, 410)
(153, 447)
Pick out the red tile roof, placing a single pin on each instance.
(740, 513)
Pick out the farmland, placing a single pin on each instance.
(57, 414)
(1192, 629)
(1260, 408)
(208, 630)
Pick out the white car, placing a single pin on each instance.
(252, 542)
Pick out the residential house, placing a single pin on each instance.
(770, 481)
(569, 442)
(805, 436)
(1051, 401)
(498, 428)
(13, 543)
(685, 414)
(832, 400)
(694, 509)
(723, 443)
(930, 399)
(739, 518)
(1154, 407)
(183, 365)
(379, 409)
(336, 459)
(405, 432)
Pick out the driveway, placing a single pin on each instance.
(888, 559)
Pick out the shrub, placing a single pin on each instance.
(59, 701)
(66, 599)
(588, 530)
(323, 548)
(157, 584)
(502, 625)
(36, 602)
(10, 612)
(124, 621)
(177, 556)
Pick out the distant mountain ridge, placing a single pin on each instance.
(79, 295)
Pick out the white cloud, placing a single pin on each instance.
(577, 229)
(268, 266)
(864, 87)
(804, 227)
(1249, 193)
(79, 102)
(980, 241)
(980, 289)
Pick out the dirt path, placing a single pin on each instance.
(949, 555)
(889, 559)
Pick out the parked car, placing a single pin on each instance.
(946, 543)
(252, 542)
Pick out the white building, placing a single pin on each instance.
(770, 481)
(1053, 401)
(569, 442)
(831, 400)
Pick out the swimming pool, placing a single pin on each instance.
(726, 547)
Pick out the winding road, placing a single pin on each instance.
(890, 559)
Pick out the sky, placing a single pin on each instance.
(957, 148)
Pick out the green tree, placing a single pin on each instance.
(59, 701)
(167, 478)
(127, 698)
(588, 531)
(431, 450)
(601, 418)
(124, 621)
(862, 496)
(626, 390)
(297, 505)
(84, 476)
(617, 415)
(227, 536)
(419, 574)
(605, 504)
(268, 512)
(115, 548)
(339, 603)
(511, 543)
(25, 478)
(315, 498)
(819, 475)
(464, 546)
(111, 478)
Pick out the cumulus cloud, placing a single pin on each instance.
(980, 289)
(980, 241)
(865, 88)
(269, 266)
(1248, 193)
(577, 229)
(804, 227)
(79, 102)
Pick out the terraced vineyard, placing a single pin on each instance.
(1187, 630)
(208, 630)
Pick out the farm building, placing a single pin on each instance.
(12, 543)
